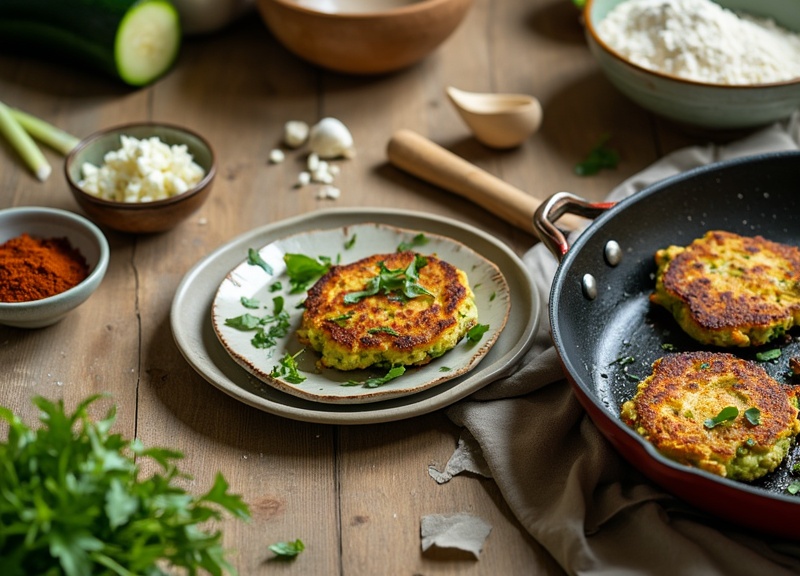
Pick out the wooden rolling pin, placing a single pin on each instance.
(428, 161)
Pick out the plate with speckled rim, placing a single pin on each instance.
(193, 325)
(249, 291)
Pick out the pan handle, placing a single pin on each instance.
(552, 209)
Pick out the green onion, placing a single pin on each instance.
(45, 133)
(23, 144)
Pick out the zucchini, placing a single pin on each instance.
(136, 41)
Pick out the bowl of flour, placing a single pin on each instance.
(726, 64)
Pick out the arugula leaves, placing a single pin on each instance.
(402, 283)
(727, 414)
(74, 502)
(268, 328)
(417, 241)
(288, 369)
(475, 333)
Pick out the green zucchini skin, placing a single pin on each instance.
(81, 32)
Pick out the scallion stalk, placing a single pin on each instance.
(44, 132)
(23, 144)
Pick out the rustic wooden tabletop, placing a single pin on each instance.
(354, 494)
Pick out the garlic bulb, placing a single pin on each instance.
(330, 138)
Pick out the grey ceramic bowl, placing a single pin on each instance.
(695, 103)
(52, 223)
(140, 217)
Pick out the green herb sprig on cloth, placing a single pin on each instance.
(74, 502)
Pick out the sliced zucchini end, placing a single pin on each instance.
(148, 41)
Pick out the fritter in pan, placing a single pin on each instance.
(352, 330)
(685, 408)
(730, 290)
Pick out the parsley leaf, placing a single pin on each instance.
(255, 259)
(417, 241)
(394, 372)
(302, 270)
(753, 416)
(385, 329)
(74, 501)
(402, 283)
(350, 242)
(268, 328)
(768, 355)
(250, 302)
(727, 414)
(287, 369)
(287, 549)
(599, 157)
(476, 332)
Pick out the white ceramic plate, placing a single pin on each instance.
(344, 245)
(190, 319)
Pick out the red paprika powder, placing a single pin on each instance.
(34, 268)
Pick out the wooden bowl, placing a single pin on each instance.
(140, 217)
(362, 36)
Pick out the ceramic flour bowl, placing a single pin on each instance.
(82, 235)
(695, 103)
(362, 36)
(140, 217)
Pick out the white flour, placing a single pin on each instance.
(699, 40)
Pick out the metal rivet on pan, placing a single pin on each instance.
(613, 253)
(589, 286)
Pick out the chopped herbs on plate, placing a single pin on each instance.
(269, 328)
(417, 241)
(288, 370)
(399, 282)
(476, 332)
(255, 259)
(303, 270)
(394, 372)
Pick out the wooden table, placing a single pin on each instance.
(353, 494)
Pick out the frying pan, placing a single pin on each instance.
(600, 312)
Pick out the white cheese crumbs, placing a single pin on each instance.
(142, 171)
(702, 41)
(304, 178)
(328, 192)
(276, 156)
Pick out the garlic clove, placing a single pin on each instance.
(330, 138)
(295, 133)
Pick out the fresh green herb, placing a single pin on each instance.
(794, 487)
(796, 468)
(303, 270)
(727, 414)
(768, 355)
(624, 360)
(753, 416)
(384, 329)
(475, 333)
(275, 287)
(287, 550)
(288, 370)
(75, 503)
(402, 283)
(445, 369)
(255, 259)
(492, 296)
(341, 319)
(633, 377)
(599, 157)
(251, 303)
(669, 347)
(350, 242)
(417, 241)
(394, 372)
(268, 328)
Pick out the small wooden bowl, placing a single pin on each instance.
(140, 217)
(363, 36)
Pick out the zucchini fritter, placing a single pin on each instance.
(387, 329)
(671, 406)
(730, 290)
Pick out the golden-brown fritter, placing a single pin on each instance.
(729, 290)
(387, 329)
(672, 406)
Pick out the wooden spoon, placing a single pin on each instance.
(428, 161)
(497, 120)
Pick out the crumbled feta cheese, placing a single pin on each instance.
(142, 171)
(328, 192)
(304, 178)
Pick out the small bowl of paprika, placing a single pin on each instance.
(51, 261)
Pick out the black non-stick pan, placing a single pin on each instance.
(607, 333)
(604, 328)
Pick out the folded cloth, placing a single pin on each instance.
(585, 505)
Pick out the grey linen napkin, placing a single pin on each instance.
(585, 505)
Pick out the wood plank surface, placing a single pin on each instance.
(353, 494)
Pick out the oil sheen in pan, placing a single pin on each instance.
(640, 333)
